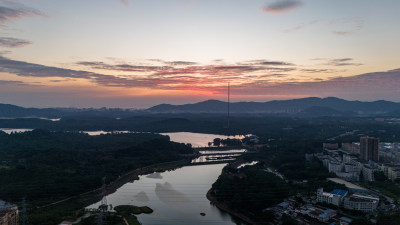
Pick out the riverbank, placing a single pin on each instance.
(225, 208)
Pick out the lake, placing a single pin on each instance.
(197, 139)
(10, 130)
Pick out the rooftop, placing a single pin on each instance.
(339, 192)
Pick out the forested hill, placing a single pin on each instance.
(294, 106)
(312, 106)
(7, 110)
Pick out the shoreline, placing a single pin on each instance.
(124, 178)
(226, 209)
(93, 196)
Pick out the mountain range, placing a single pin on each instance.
(312, 106)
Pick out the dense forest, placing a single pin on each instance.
(250, 190)
(44, 166)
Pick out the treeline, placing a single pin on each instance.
(267, 127)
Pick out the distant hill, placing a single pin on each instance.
(304, 107)
(313, 105)
(12, 111)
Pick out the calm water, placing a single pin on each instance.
(177, 197)
(197, 139)
(100, 132)
(10, 130)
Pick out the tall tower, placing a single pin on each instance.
(229, 102)
(24, 214)
(103, 208)
(369, 149)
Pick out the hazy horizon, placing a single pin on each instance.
(194, 102)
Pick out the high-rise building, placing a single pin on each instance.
(369, 147)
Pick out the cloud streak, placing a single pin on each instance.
(339, 62)
(281, 6)
(347, 26)
(16, 11)
(9, 42)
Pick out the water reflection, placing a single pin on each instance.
(248, 164)
(100, 132)
(155, 176)
(141, 197)
(177, 198)
(207, 158)
(198, 139)
(223, 151)
(167, 194)
(10, 130)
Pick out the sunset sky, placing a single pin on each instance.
(138, 53)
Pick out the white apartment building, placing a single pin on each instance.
(334, 198)
(361, 202)
(393, 173)
(368, 172)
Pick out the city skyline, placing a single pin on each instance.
(138, 54)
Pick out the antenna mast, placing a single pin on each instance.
(229, 99)
(103, 208)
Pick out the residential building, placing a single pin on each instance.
(334, 166)
(353, 148)
(369, 149)
(393, 173)
(361, 202)
(317, 213)
(368, 172)
(335, 197)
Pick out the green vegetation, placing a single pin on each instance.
(250, 190)
(146, 210)
(386, 187)
(126, 211)
(388, 219)
(110, 219)
(46, 166)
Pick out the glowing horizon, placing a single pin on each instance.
(137, 54)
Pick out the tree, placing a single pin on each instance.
(379, 176)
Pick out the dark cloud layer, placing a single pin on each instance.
(338, 62)
(9, 13)
(247, 78)
(12, 82)
(9, 42)
(280, 6)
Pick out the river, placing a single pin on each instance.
(178, 196)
